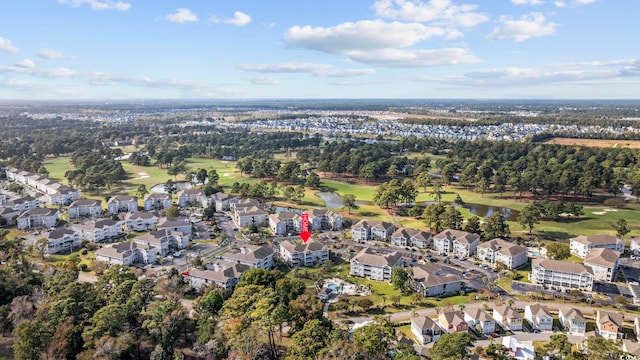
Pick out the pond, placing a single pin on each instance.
(484, 211)
(331, 199)
(181, 185)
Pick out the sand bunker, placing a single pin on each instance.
(225, 174)
(142, 175)
(598, 213)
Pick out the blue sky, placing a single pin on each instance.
(183, 49)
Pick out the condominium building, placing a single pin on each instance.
(255, 256)
(38, 217)
(561, 274)
(373, 265)
(458, 242)
(85, 208)
(603, 263)
(583, 244)
(122, 203)
(310, 253)
(501, 251)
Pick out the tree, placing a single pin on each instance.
(452, 346)
(558, 251)
(495, 227)
(400, 279)
(170, 187)
(365, 303)
(259, 277)
(141, 190)
(473, 225)
(598, 348)
(621, 228)
(433, 216)
(375, 338)
(173, 211)
(41, 246)
(529, 216)
(308, 342)
(422, 181)
(32, 340)
(452, 218)
(313, 180)
(349, 201)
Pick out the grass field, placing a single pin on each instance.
(597, 218)
(631, 144)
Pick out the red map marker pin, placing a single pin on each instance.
(305, 234)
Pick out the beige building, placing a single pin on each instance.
(255, 256)
(458, 242)
(300, 254)
(502, 251)
(561, 274)
(373, 265)
(583, 244)
(603, 263)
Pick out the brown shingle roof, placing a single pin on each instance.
(560, 266)
(602, 257)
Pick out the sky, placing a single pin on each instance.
(261, 49)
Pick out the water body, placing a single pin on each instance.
(181, 185)
(333, 200)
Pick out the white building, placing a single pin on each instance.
(365, 230)
(425, 329)
(429, 280)
(561, 274)
(122, 203)
(519, 350)
(458, 242)
(39, 217)
(140, 221)
(411, 237)
(157, 201)
(285, 222)
(99, 230)
(22, 204)
(502, 251)
(62, 240)
(583, 244)
(480, 321)
(507, 317)
(164, 241)
(9, 214)
(85, 208)
(573, 321)
(223, 274)
(603, 263)
(126, 253)
(180, 224)
(373, 265)
(247, 212)
(539, 317)
(635, 246)
(255, 256)
(299, 254)
(191, 197)
(223, 201)
(324, 219)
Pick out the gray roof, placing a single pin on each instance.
(140, 215)
(431, 275)
(373, 224)
(123, 198)
(369, 256)
(86, 202)
(311, 245)
(425, 323)
(560, 266)
(409, 233)
(504, 247)
(120, 250)
(462, 236)
(173, 222)
(539, 310)
(96, 224)
(602, 257)
(601, 239)
(574, 314)
(604, 316)
(250, 253)
(39, 211)
(59, 233)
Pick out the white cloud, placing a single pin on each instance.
(560, 4)
(51, 54)
(6, 45)
(526, 27)
(264, 80)
(19, 84)
(181, 16)
(310, 68)
(26, 63)
(527, 2)
(414, 58)
(99, 4)
(572, 3)
(361, 35)
(443, 12)
(239, 19)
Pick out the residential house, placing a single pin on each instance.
(180, 224)
(62, 240)
(157, 201)
(255, 256)
(609, 324)
(247, 212)
(122, 203)
(99, 230)
(539, 317)
(429, 280)
(497, 251)
(373, 265)
(561, 274)
(191, 197)
(453, 322)
(603, 263)
(519, 350)
(164, 241)
(127, 253)
(458, 242)
(573, 321)
(324, 219)
(365, 230)
(85, 208)
(38, 217)
(507, 317)
(22, 204)
(9, 214)
(223, 274)
(223, 201)
(425, 329)
(3, 198)
(285, 222)
(411, 237)
(583, 244)
(310, 253)
(480, 321)
(140, 221)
